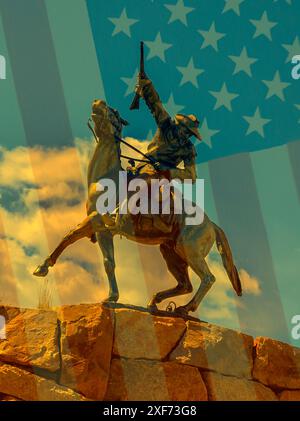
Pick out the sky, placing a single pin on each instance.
(79, 275)
(230, 65)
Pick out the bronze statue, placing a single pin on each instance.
(182, 246)
(171, 143)
(170, 146)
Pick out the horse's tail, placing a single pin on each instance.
(226, 254)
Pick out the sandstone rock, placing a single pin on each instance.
(86, 346)
(31, 339)
(9, 312)
(142, 380)
(29, 387)
(290, 395)
(141, 335)
(215, 348)
(225, 388)
(277, 364)
(8, 398)
(153, 358)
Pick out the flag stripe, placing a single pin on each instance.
(38, 84)
(240, 216)
(11, 127)
(41, 103)
(209, 200)
(35, 73)
(211, 211)
(294, 154)
(77, 61)
(12, 134)
(280, 208)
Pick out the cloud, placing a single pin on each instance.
(250, 283)
(50, 188)
(71, 282)
(126, 150)
(38, 165)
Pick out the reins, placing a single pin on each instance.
(131, 160)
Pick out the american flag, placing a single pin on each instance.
(228, 62)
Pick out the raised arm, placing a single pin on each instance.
(147, 91)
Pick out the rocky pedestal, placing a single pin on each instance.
(94, 352)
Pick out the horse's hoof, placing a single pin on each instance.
(111, 299)
(41, 270)
(152, 308)
(181, 311)
(93, 238)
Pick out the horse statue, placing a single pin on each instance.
(182, 247)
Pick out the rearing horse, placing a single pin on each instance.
(183, 247)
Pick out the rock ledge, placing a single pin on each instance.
(96, 352)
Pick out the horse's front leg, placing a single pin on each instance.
(106, 243)
(84, 229)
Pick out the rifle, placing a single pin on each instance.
(135, 105)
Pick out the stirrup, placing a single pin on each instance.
(171, 307)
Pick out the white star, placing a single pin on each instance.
(233, 5)
(223, 97)
(263, 26)
(130, 82)
(123, 23)
(190, 73)
(243, 62)
(207, 133)
(292, 49)
(179, 12)
(276, 87)
(256, 123)
(157, 48)
(211, 37)
(172, 107)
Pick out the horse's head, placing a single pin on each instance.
(107, 120)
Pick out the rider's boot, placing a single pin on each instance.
(115, 221)
(109, 220)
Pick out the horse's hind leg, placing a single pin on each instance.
(84, 229)
(106, 243)
(199, 266)
(179, 269)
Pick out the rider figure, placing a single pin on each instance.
(171, 143)
(170, 146)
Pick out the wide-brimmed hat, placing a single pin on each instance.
(191, 122)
